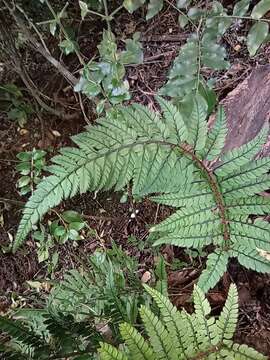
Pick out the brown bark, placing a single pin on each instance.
(248, 108)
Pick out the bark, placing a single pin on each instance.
(248, 109)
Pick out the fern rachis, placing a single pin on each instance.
(169, 155)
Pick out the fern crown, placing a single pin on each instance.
(178, 335)
(174, 160)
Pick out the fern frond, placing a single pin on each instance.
(204, 325)
(250, 258)
(242, 352)
(258, 205)
(247, 188)
(178, 335)
(216, 266)
(175, 324)
(250, 171)
(138, 348)
(21, 333)
(174, 119)
(197, 124)
(159, 337)
(113, 153)
(242, 155)
(216, 137)
(251, 235)
(186, 217)
(166, 156)
(109, 352)
(226, 323)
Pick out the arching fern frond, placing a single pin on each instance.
(206, 338)
(167, 157)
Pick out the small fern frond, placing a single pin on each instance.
(159, 337)
(109, 352)
(216, 266)
(204, 324)
(181, 336)
(226, 323)
(138, 348)
(252, 205)
(216, 137)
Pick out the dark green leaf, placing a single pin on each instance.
(71, 216)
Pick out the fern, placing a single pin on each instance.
(208, 338)
(81, 310)
(107, 289)
(169, 158)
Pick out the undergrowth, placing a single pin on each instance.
(178, 335)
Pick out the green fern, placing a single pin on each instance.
(169, 158)
(178, 335)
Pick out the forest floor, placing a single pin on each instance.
(106, 215)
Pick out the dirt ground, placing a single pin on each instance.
(110, 218)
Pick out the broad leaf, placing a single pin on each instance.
(260, 9)
(256, 36)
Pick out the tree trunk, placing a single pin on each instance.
(248, 109)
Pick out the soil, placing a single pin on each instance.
(106, 215)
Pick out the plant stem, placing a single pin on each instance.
(11, 201)
(57, 19)
(199, 56)
(107, 17)
(97, 14)
(116, 11)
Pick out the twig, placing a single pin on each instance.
(34, 27)
(104, 218)
(83, 111)
(11, 201)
